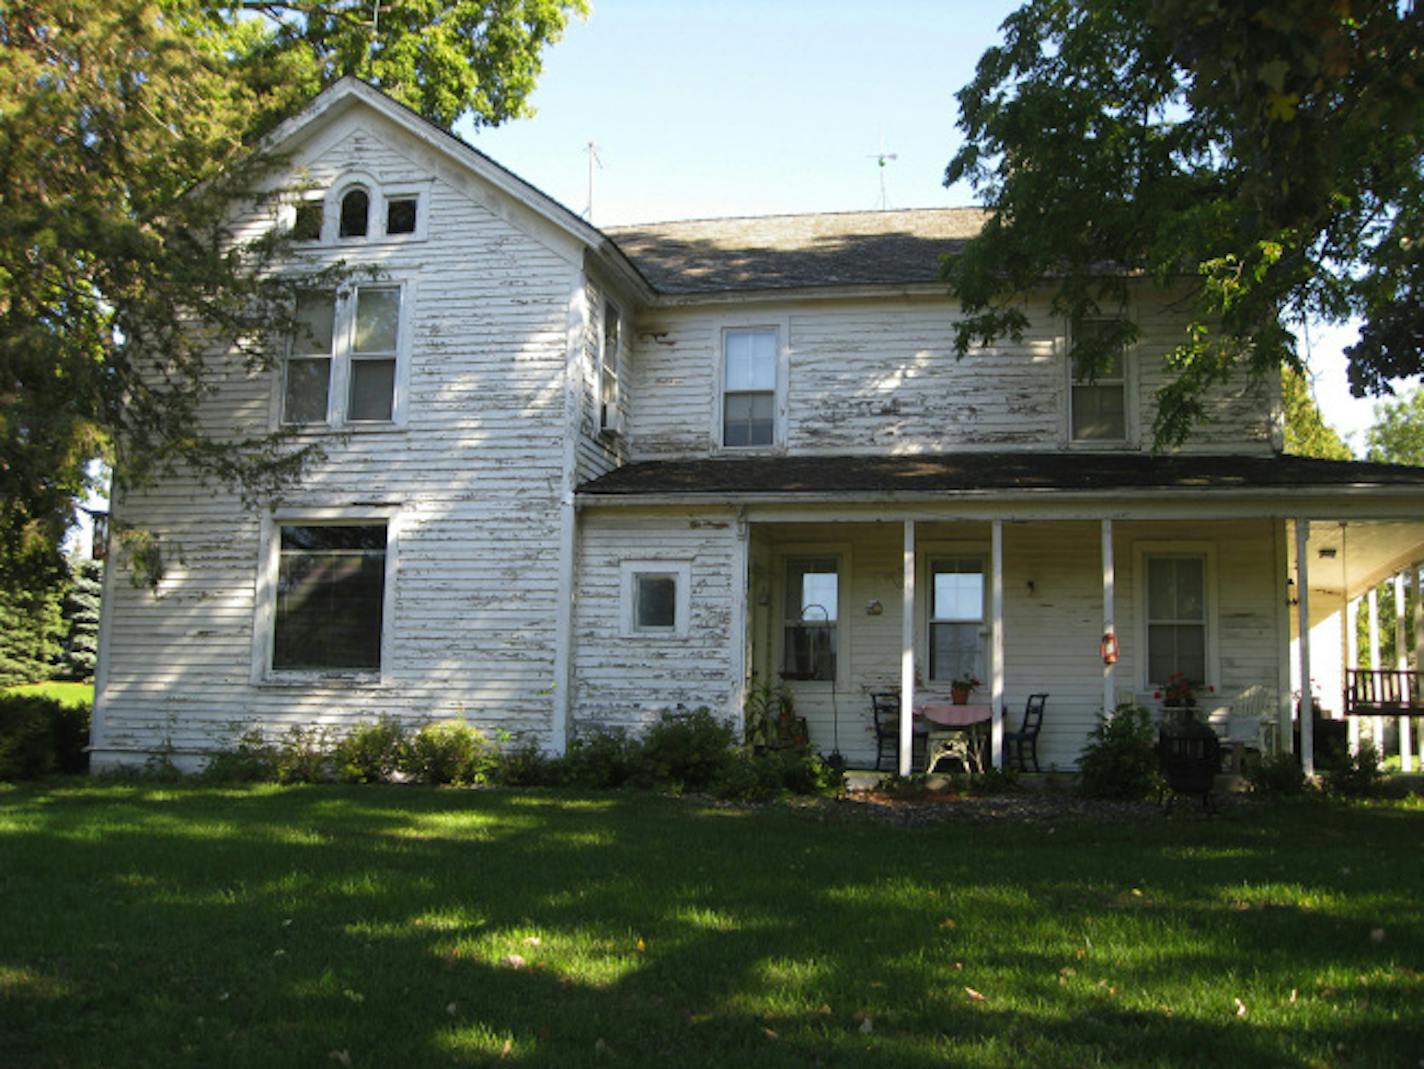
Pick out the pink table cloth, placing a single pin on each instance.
(955, 716)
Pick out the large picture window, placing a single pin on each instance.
(749, 363)
(956, 617)
(352, 338)
(1176, 618)
(812, 611)
(330, 598)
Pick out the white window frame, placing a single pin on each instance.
(782, 327)
(610, 413)
(332, 219)
(629, 572)
(844, 629)
(338, 398)
(1144, 551)
(268, 569)
(416, 191)
(379, 195)
(926, 553)
(1128, 379)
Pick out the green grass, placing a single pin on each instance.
(268, 927)
(65, 693)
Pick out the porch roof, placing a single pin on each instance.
(921, 474)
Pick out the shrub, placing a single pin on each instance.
(747, 776)
(252, 760)
(686, 751)
(1358, 776)
(603, 758)
(524, 764)
(372, 752)
(450, 751)
(1120, 759)
(993, 781)
(40, 735)
(1278, 774)
(304, 755)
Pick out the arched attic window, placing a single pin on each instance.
(355, 213)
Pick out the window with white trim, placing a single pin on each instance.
(609, 358)
(956, 618)
(329, 609)
(1098, 403)
(355, 217)
(344, 356)
(811, 618)
(750, 356)
(1177, 639)
(656, 598)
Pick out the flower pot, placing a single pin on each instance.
(959, 695)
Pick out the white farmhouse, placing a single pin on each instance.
(577, 477)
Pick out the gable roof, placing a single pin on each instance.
(702, 256)
(969, 473)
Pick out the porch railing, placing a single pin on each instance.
(1383, 691)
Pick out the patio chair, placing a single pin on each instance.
(1027, 734)
(885, 707)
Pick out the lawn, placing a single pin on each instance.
(64, 693)
(330, 926)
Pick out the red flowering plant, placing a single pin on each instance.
(1180, 692)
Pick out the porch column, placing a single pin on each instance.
(907, 652)
(1352, 660)
(1307, 708)
(1109, 621)
(1409, 694)
(1401, 662)
(1377, 722)
(996, 642)
(741, 607)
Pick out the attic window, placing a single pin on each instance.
(400, 215)
(355, 214)
(307, 225)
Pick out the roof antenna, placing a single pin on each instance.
(593, 158)
(881, 158)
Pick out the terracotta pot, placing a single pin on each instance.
(959, 695)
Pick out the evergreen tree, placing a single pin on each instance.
(31, 622)
(1307, 433)
(81, 617)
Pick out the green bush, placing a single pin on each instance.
(450, 751)
(251, 760)
(372, 752)
(687, 751)
(304, 756)
(1120, 759)
(1358, 776)
(604, 758)
(524, 764)
(1278, 774)
(993, 781)
(40, 735)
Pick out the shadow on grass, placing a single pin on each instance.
(307, 926)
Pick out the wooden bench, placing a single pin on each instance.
(1383, 692)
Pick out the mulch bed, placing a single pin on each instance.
(1030, 807)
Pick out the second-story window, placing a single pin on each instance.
(749, 362)
(355, 213)
(608, 414)
(343, 356)
(1098, 404)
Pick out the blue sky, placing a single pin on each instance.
(739, 107)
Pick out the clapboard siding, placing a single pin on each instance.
(1051, 631)
(473, 477)
(880, 376)
(624, 682)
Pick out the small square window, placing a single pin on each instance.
(656, 598)
(307, 224)
(400, 215)
(655, 603)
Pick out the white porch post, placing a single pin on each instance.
(1372, 605)
(741, 606)
(907, 652)
(1109, 620)
(1418, 637)
(996, 643)
(1401, 662)
(1352, 659)
(1307, 709)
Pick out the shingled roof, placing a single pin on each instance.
(795, 251)
(1006, 472)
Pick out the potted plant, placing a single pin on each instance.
(1188, 750)
(960, 686)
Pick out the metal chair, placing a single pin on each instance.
(1027, 734)
(885, 707)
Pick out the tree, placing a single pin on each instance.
(1307, 433)
(1267, 160)
(1397, 434)
(81, 619)
(31, 628)
(129, 131)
